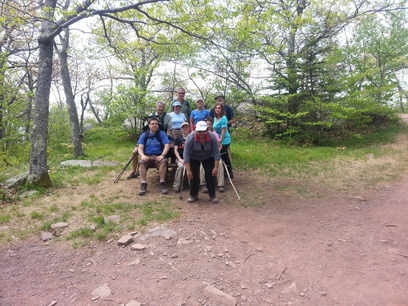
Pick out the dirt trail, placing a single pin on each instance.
(338, 250)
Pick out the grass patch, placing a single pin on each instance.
(5, 219)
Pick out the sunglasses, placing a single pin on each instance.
(181, 93)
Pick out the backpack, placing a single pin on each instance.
(157, 136)
(161, 125)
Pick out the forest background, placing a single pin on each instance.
(307, 72)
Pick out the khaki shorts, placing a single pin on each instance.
(152, 163)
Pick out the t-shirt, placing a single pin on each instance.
(177, 120)
(185, 108)
(217, 127)
(180, 143)
(153, 145)
(199, 115)
(229, 113)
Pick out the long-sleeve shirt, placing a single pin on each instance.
(194, 150)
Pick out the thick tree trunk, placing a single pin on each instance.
(69, 96)
(38, 173)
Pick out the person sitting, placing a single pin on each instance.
(220, 175)
(201, 148)
(177, 118)
(153, 146)
(198, 114)
(165, 125)
(178, 152)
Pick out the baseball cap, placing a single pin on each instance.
(176, 104)
(185, 123)
(201, 126)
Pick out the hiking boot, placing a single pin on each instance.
(163, 188)
(192, 199)
(133, 175)
(204, 189)
(221, 189)
(215, 200)
(143, 189)
(176, 189)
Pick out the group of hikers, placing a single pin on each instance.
(198, 140)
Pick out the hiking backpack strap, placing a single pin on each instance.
(157, 135)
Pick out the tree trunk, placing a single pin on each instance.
(69, 96)
(38, 173)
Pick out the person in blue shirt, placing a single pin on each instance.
(177, 118)
(198, 114)
(220, 126)
(166, 125)
(153, 146)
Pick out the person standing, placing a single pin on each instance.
(198, 114)
(165, 121)
(178, 152)
(185, 105)
(229, 113)
(177, 118)
(153, 146)
(201, 148)
(220, 126)
(220, 175)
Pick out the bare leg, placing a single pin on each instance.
(162, 172)
(142, 172)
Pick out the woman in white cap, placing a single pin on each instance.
(177, 118)
(201, 148)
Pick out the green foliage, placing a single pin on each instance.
(316, 120)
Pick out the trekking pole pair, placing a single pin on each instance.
(121, 173)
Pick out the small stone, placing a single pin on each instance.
(219, 296)
(45, 236)
(59, 225)
(125, 240)
(133, 303)
(135, 262)
(102, 291)
(269, 285)
(138, 247)
(182, 241)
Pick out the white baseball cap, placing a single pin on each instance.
(201, 126)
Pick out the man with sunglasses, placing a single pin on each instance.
(185, 105)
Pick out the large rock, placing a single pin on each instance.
(88, 163)
(17, 180)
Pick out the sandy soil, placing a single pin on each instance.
(340, 249)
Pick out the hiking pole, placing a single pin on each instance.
(182, 183)
(229, 177)
(121, 173)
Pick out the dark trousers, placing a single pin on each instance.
(208, 166)
(226, 159)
